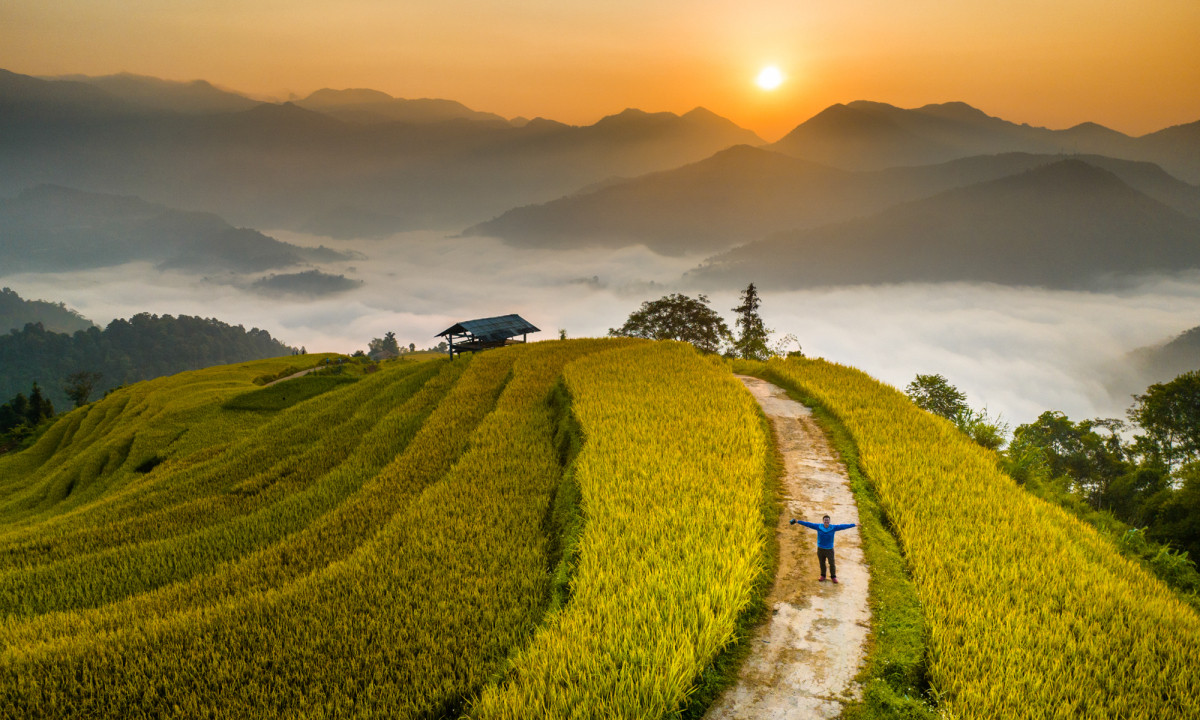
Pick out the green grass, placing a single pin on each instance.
(288, 393)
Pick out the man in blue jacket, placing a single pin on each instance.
(825, 533)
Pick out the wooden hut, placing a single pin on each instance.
(484, 333)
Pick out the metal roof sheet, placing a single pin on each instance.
(492, 329)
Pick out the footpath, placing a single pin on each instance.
(803, 661)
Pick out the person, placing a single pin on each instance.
(825, 533)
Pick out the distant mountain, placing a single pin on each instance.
(310, 283)
(744, 193)
(1064, 225)
(1175, 147)
(373, 106)
(1165, 362)
(16, 313)
(869, 135)
(51, 228)
(197, 97)
(288, 166)
(126, 351)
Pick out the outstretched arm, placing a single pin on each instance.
(814, 526)
(847, 526)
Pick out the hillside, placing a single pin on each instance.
(744, 193)
(1064, 225)
(16, 313)
(1164, 362)
(52, 229)
(1000, 642)
(417, 519)
(126, 351)
(585, 514)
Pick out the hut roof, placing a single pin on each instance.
(492, 329)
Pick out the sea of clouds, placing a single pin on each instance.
(1016, 351)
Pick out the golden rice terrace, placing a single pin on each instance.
(560, 529)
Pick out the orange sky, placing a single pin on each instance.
(1134, 66)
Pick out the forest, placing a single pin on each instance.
(126, 351)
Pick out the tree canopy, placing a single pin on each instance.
(677, 317)
(751, 342)
(144, 346)
(935, 394)
(1170, 415)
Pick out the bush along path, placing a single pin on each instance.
(804, 659)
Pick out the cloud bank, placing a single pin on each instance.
(1016, 351)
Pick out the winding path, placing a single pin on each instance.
(803, 661)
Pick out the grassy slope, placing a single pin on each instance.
(1030, 613)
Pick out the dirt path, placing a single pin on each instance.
(293, 376)
(803, 661)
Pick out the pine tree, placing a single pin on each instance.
(751, 343)
(40, 407)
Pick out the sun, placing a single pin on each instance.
(769, 78)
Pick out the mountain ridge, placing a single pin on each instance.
(1067, 225)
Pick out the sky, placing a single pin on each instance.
(1133, 66)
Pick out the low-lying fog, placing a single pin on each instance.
(1015, 351)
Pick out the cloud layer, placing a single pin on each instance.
(1017, 351)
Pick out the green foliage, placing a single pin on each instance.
(677, 317)
(751, 342)
(935, 394)
(142, 347)
(1169, 413)
(1075, 450)
(16, 313)
(989, 432)
(25, 411)
(79, 385)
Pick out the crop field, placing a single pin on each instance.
(433, 539)
(1031, 613)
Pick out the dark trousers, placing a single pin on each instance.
(824, 554)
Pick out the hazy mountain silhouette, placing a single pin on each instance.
(1175, 147)
(869, 135)
(52, 228)
(1064, 225)
(197, 97)
(373, 106)
(1167, 361)
(309, 283)
(288, 166)
(744, 193)
(26, 100)
(16, 312)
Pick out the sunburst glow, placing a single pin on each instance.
(769, 78)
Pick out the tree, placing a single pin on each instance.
(412, 347)
(79, 386)
(1075, 450)
(935, 394)
(390, 344)
(677, 317)
(982, 428)
(751, 343)
(40, 407)
(1170, 415)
